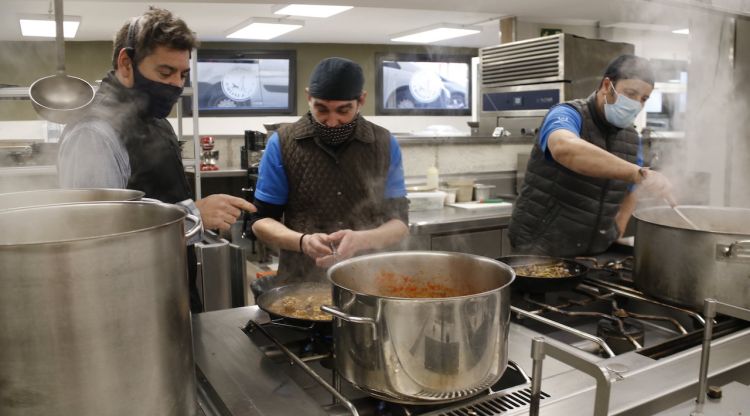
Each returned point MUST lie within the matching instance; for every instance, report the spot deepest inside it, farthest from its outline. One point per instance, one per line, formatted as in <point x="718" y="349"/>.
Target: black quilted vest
<point x="562" y="213"/>
<point x="331" y="189"/>
<point x="153" y="151"/>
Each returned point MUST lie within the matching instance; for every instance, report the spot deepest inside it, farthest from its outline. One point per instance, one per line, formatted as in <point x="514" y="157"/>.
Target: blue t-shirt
<point x="273" y="188"/>
<point x="567" y="118"/>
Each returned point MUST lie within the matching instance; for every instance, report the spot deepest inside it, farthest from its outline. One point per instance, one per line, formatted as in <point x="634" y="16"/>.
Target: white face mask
<point x="623" y="111"/>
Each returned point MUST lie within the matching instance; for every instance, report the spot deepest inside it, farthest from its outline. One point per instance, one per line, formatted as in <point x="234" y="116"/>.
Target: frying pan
<point x="538" y="284"/>
<point x="299" y="290"/>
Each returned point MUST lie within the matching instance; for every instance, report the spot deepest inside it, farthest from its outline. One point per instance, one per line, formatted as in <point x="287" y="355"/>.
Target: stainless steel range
<point x="644" y="354"/>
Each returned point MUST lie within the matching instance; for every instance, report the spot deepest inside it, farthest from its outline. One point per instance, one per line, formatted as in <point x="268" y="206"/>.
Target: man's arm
<point x="626" y="211"/>
<point x="588" y="159"/>
<point x="91" y="156"/>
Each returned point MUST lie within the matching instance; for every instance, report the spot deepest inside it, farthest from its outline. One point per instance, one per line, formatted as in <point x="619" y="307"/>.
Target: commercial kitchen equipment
<point x="420" y="327"/>
<point x="646" y="353"/>
<point x="679" y="264"/>
<point x="94" y="311"/>
<point x="520" y="81"/>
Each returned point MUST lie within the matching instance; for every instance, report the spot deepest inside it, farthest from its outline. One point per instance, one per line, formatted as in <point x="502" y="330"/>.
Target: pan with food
<point x="299" y="301"/>
<point x="539" y="274"/>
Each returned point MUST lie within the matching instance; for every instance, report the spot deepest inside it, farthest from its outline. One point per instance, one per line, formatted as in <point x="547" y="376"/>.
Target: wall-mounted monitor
<point x="238" y="82"/>
<point x="423" y="84"/>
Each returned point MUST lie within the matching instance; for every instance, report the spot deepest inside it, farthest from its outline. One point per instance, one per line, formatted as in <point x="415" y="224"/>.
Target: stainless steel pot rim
<point x="430" y="253"/>
<point x="96" y="237"/>
<point x="135" y="193"/>
<point x="638" y="214"/>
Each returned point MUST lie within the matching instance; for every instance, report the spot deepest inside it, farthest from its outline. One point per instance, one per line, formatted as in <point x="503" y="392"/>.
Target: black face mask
<point x="161" y="97"/>
<point x="334" y="136"/>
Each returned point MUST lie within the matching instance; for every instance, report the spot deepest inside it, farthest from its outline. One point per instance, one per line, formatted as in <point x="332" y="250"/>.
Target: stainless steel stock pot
<point x="94" y="311"/>
<point x="421" y="327"/>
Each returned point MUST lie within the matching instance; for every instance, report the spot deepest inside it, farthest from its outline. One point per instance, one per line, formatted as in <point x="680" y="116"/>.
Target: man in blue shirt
<point x="336" y="179"/>
<point x="577" y="195"/>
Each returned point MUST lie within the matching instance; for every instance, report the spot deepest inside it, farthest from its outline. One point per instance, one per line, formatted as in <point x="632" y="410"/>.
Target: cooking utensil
<point x="684" y="217"/>
<point x="60" y="97"/>
<point x="685" y="266"/>
<point x="540" y="284"/>
<point x="95" y="294"/>
<point x="300" y="292"/>
<point x="388" y="344"/>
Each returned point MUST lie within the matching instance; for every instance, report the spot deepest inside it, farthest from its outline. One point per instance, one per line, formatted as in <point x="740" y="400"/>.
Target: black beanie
<point x="337" y="79"/>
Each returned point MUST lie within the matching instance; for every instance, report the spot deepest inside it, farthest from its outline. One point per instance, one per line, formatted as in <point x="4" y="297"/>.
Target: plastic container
<point x="433" y="178"/>
<point x="464" y="189"/>
<point x="482" y="191"/>
<point x="450" y="195"/>
<point x="424" y="201"/>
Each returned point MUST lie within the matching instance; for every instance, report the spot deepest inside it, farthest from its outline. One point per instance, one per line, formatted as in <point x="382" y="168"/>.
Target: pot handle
<point x="196" y="228"/>
<point x="349" y="318"/>
<point x="739" y="249"/>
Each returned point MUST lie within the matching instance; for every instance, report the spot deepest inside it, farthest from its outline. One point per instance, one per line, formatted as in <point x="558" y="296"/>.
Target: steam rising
<point x="716" y="113"/>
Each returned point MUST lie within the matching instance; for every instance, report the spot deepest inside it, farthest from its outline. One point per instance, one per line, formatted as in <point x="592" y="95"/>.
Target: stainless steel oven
<point x="520" y="81"/>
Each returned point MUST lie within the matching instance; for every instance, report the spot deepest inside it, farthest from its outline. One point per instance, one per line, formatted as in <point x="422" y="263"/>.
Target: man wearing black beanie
<point x="335" y="178"/>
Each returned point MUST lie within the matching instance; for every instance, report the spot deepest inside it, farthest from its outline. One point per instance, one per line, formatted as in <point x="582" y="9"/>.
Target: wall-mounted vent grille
<point x="522" y="62"/>
<point x="492" y="405"/>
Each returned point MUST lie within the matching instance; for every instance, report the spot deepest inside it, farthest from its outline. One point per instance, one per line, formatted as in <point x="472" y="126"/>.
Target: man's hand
<point x="347" y="244"/>
<point x="657" y="184"/>
<point x="220" y="211"/>
<point x="316" y="245"/>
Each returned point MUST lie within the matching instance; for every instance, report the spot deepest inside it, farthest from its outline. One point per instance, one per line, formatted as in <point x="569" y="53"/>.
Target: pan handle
<point x="349" y="318"/>
<point x="196" y="228"/>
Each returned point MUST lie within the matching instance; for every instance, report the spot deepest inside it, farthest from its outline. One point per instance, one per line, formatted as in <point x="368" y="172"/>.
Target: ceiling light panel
<point x="263" y="29"/>
<point x="435" y="33"/>
<point x="44" y="26"/>
<point x="685" y="31"/>
<point x="310" y="10"/>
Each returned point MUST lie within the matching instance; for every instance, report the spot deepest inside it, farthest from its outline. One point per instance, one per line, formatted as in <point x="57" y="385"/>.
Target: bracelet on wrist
<point x="300" y="242"/>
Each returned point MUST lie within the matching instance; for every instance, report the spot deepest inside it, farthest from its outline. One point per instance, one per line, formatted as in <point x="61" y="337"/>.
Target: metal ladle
<point x="683" y="216"/>
<point x="60" y="97"/>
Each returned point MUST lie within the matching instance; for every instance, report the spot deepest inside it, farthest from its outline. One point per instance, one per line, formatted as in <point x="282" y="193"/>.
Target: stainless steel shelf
<point x="22" y="93"/>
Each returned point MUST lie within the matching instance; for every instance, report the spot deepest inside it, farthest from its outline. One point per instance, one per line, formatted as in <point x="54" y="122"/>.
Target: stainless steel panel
<point x="94" y="311"/>
<point x="214" y="277"/>
<point x="487" y="243"/>
<point x="421" y="350"/>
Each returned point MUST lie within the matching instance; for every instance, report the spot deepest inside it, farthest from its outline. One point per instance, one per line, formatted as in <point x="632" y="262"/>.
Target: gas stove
<point x="649" y="350"/>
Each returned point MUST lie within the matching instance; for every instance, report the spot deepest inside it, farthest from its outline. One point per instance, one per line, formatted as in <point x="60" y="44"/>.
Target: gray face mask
<point x="623" y="111"/>
<point x="334" y="136"/>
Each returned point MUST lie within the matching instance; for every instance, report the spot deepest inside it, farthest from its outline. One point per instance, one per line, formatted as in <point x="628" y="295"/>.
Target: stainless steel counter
<point x="450" y="219"/>
<point x="237" y="377"/>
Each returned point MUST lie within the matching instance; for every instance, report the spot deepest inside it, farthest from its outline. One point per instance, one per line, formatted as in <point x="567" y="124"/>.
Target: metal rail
<point x="540" y="349"/>
<point x="627" y="292"/>
<point x="251" y="325"/>
<point x="603" y="345"/>
<point x="710" y="308"/>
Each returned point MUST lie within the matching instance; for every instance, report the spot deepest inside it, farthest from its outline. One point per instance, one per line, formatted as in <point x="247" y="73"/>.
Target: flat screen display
<point x="416" y="84"/>
<point x="235" y="83"/>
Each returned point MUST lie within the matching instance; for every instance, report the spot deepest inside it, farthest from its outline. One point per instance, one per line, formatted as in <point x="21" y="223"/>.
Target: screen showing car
<point x="410" y="86"/>
<point x="231" y="83"/>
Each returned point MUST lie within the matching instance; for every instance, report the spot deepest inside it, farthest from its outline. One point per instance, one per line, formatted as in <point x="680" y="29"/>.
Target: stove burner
<point x="621" y="335"/>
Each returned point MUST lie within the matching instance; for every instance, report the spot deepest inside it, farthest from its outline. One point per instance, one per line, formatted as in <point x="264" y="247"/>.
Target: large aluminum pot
<point x="421" y="350"/>
<point x="682" y="265"/>
<point x="94" y="311"/>
<point x="63" y="196"/>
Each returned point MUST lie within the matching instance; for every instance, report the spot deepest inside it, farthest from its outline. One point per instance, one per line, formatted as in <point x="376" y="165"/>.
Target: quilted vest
<point x="562" y="213"/>
<point x="331" y="189"/>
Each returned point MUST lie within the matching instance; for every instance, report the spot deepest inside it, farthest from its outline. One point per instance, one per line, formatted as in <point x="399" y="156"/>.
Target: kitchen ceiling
<point x="370" y="22"/>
